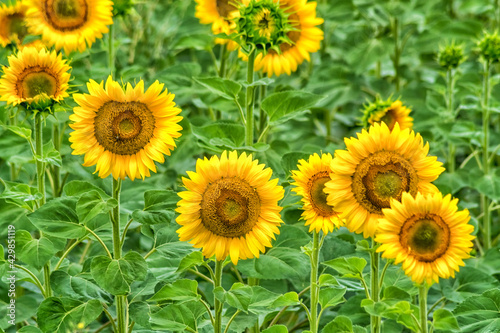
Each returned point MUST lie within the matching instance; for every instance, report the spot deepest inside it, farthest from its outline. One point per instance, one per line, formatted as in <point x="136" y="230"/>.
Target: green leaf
<point x="220" y="133"/>
<point x="50" y="155"/>
<point x="327" y="280"/>
<point x="21" y="195"/>
<point x="116" y="275"/>
<point x="141" y="311"/>
<point x="480" y="313"/>
<point x="331" y="296"/>
<point x="29" y="329"/>
<point x="159" y="207"/>
<point x="225" y="88"/>
<point x="288" y="299"/>
<point x="23" y="132"/>
<point x="276" y="329"/>
<point x="36" y="252"/>
<point x="444" y="320"/>
<point x="76" y="287"/>
<point x="192" y="259"/>
<point x="350" y="267"/>
<point x="396" y="293"/>
<point x="178" y="317"/>
<point x="64" y="314"/>
<point x="239" y="296"/>
<point x="77" y="188"/>
<point x="285" y="105"/>
<point x="58" y="218"/>
<point x="92" y="204"/>
<point x="180" y="290"/>
<point x="341" y="324"/>
<point x="400" y="311"/>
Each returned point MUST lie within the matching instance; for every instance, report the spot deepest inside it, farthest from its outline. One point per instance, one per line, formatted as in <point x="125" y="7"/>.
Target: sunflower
<point x="34" y="74"/>
<point x="124" y="132"/>
<point x="427" y="234"/>
<point x="230" y="207"/>
<point x="305" y="38"/>
<point x="69" y="24"/>
<point x="219" y="13"/>
<point x="12" y="26"/>
<point x="310" y="181"/>
<point x="379" y="165"/>
<point x="388" y="112"/>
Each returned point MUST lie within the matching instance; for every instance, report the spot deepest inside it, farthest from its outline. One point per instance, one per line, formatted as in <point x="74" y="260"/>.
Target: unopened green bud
<point x="122" y="7"/>
<point x="451" y="56"/>
<point x="388" y="111"/>
<point x="264" y="25"/>
<point x="489" y="47"/>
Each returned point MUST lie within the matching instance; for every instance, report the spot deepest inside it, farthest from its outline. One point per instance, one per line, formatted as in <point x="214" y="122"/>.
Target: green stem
<point x="251" y="281"/>
<point x="223" y="59"/>
<point x="56" y="171"/>
<point x="218" y="305"/>
<point x="314" y="284"/>
<point x="375" y="293"/>
<point x="111" y="51"/>
<point x="262" y="113"/>
<point x="486" y="163"/>
<point x="451" y="117"/>
<point x="40" y="167"/>
<point x="328" y="125"/>
<point x="35" y="279"/>
<point x="121" y="300"/>
<point x="250" y="100"/>
<point x="65" y="254"/>
<point x="396" y="53"/>
<point x="422" y="301"/>
<point x="13" y="167"/>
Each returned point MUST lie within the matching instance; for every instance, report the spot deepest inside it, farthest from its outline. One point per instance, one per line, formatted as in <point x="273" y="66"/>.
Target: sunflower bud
<point x="390" y="112"/>
<point x="122" y="7"/>
<point x="451" y="56"/>
<point x="489" y="47"/>
<point x="264" y="25"/>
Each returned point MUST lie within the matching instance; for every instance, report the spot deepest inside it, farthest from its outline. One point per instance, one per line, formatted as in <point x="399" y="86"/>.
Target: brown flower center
<point x="425" y="236"/>
<point x="66" y="15"/>
<point x="381" y="176"/>
<point x="224" y="8"/>
<point x="16" y="27"/>
<point x="318" y="197"/>
<point x="230" y="207"/>
<point x="124" y="128"/>
<point x="36" y="80"/>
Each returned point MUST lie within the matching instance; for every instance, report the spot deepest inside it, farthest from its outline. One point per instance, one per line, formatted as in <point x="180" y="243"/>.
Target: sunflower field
<point x="327" y="166"/>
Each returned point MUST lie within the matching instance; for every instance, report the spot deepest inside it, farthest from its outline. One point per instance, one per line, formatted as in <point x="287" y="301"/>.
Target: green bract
<point x="122" y="7"/>
<point x="489" y="47"/>
<point x="264" y="25"/>
<point x="377" y="106"/>
<point x="451" y="56"/>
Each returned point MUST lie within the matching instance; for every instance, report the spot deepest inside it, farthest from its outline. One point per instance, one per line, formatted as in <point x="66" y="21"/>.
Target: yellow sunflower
<point x="33" y="74"/>
<point x="388" y="112"/>
<point x="124" y="132"/>
<point x="427" y="234"/>
<point x="379" y="165"/>
<point x="69" y="24"/>
<point x="310" y="181"/>
<point x="306" y="39"/>
<point x="230" y="207"/>
<point x="221" y="14"/>
<point x="12" y="25"/>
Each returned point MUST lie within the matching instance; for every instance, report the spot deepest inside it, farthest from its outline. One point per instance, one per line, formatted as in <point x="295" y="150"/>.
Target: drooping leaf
<point x="225" y="88"/>
<point x="285" y="105"/>
<point x="479" y="314"/>
<point x="350" y="267"/>
<point x="76" y="287"/>
<point x="180" y="290"/>
<point x="443" y="319"/>
<point x="36" y="252"/>
<point x="331" y="296"/>
<point x="178" y="317"/>
<point x="92" y="204"/>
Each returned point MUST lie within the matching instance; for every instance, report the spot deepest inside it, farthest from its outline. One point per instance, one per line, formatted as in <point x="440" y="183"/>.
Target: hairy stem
<point x="314" y="284"/>
<point x="486" y="163"/>
<point x="422" y="301"/>
<point x="250" y="100"/>
<point x="218" y="305"/>
<point x="375" y="321"/>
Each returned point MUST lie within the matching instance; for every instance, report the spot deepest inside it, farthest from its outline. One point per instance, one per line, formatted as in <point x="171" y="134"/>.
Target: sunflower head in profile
<point x="69" y="24"/>
<point x="230" y="207"/>
<point x="427" y="234"/>
<point x="310" y="182"/>
<point x="389" y="112"/>
<point x="376" y="167"/>
<point x="304" y="38"/>
<point x="264" y="25"/>
<point x="123" y="132"/>
<point x="221" y="15"/>
<point x="12" y="25"/>
<point x="34" y="75"/>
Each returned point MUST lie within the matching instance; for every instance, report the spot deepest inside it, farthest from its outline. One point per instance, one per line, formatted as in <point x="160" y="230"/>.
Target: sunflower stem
<point x="223" y="59"/>
<point x="313" y="325"/>
<point x="449" y="105"/>
<point x="397" y="51"/>
<point x="251" y="281"/>
<point x="120" y="300"/>
<point x="250" y="99"/>
<point x="375" y="321"/>
<point x="56" y="171"/>
<point x="422" y="301"/>
<point x="218" y="305"/>
<point x="13" y="167"/>
<point x="486" y="163"/>
<point x="262" y="113"/>
<point x="111" y="51"/>
<point x="40" y="167"/>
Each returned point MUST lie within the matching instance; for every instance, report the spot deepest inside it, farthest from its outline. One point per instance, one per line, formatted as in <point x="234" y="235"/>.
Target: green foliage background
<point x="162" y="40"/>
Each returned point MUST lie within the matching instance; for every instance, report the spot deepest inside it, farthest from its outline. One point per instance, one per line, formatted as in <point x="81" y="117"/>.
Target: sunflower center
<point x="16" y="26"/>
<point x="35" y="81"/>
<point x="124" y="128"/>
<point x="389" y="118"/>
<point x="265" y="23"/>
<point x="224" y="8"/>
<point x="230" y="207"/>
<point x="380" y="177"/>
<point x="66" y="15"/>
<point x="426" y="237"/>
<point x="318" y="197"/>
